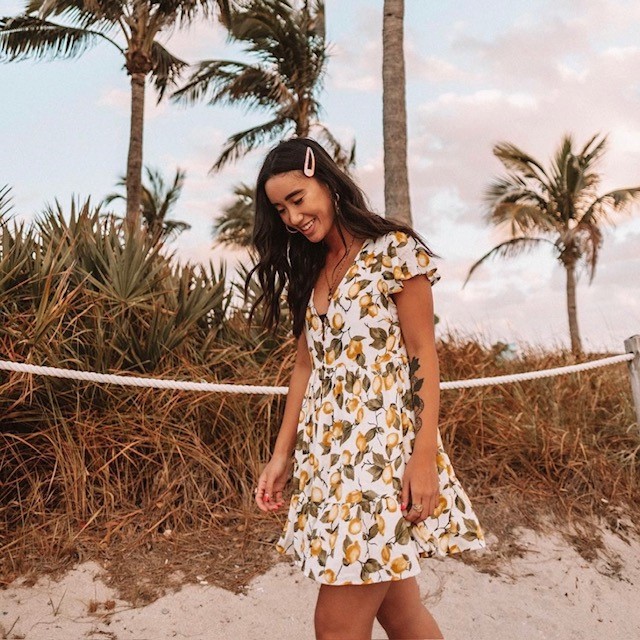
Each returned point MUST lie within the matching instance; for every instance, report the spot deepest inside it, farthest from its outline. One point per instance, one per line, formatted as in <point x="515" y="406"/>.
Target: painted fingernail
<point x="403" y="506"/>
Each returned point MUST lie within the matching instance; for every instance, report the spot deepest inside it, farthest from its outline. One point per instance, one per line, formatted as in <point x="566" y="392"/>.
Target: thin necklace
<point x="333" y="283"/>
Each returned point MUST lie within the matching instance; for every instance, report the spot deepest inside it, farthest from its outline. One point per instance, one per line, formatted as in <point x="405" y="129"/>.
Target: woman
<point x="373" y="489"/>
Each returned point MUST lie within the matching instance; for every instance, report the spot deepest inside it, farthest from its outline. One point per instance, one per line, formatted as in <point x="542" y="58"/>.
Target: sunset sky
<point x="477" y="73"/>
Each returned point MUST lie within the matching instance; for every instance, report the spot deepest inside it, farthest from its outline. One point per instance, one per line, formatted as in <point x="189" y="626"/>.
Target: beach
<point x="550" y="592"/>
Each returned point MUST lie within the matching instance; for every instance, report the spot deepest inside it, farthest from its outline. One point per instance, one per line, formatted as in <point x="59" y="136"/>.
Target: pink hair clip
<point x="309" y="163"/>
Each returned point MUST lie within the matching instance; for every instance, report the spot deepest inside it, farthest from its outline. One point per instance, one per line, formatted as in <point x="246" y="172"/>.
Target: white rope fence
<point x="134" y="381"/>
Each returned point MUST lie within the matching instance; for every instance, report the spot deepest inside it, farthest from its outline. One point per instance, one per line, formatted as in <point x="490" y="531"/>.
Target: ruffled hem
<point x="370" y="541"/>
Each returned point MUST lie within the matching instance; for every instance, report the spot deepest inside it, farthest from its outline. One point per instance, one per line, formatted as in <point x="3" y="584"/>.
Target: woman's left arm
<point x="415" y="314"/>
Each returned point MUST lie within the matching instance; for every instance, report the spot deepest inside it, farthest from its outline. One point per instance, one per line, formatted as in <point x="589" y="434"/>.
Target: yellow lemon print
<point x="361" y="442"/>
<point x="393" y="439"/>
<point x="354" y="290"/>
<point x="346" y="456"/>
<point x="354" y="496"/>
<point x="338" y="428"/>
<point x="353" y="552"/>
<point x="355" y="526"/>
<point x="399" y="564"/>
<point x="329" y="576"/>
<point x="316" y="547"/>
<point x="440" y="507"/>
<point x="380" y="521"/>
<point x="316" y="494"/>
<point x="401" y="236"/>
<point x="376" y="385"/>
<point x="333" y="513"/>
<point x="365" y="300"/>
<point x="386" y="553"/>
<point x="423" y="257"/>
<point x="337" y="321"/>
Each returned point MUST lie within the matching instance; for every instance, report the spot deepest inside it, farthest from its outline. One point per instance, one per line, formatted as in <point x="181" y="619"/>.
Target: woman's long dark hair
<point x="290" y="260"/>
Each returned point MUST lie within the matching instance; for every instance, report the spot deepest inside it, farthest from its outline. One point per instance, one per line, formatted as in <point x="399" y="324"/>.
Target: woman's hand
<point x="271" y="483"/>
<point x="420" y="485"/>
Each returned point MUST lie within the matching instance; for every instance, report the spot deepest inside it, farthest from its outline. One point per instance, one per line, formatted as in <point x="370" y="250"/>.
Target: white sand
<point x="550" y="593"/>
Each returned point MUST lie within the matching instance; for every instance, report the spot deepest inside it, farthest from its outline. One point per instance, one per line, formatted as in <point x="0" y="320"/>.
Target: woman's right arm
<point x="286" y="439"/>
<point x="276" y="473"/>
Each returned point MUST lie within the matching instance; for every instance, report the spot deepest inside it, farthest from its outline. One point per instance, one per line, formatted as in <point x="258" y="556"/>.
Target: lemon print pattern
<point x="356" y="431"/>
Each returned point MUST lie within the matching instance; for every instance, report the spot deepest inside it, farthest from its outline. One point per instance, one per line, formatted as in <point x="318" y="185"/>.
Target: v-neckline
<point x="344" y="275"/>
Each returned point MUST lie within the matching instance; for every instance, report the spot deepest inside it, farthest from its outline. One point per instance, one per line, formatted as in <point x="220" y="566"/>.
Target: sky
<point x="477" y="74"/>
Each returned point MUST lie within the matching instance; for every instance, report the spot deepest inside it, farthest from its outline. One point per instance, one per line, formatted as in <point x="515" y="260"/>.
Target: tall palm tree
<point x="559" y="206"/>
<point x="394" y="113"/>
<point x="34" y="35"/>
<point x="158" y="199"/>
<point x="235" y="226"/>
<point x="289" y="43"/>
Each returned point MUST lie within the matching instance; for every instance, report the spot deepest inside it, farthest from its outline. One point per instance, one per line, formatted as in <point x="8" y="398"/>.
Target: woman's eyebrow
<point x="293" y="194"/>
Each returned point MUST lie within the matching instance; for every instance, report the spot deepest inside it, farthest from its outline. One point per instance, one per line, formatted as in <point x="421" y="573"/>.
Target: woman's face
<point x="303" y="203"/>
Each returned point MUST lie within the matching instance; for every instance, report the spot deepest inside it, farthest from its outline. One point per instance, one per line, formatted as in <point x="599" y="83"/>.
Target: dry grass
<point x="157" y="485"/>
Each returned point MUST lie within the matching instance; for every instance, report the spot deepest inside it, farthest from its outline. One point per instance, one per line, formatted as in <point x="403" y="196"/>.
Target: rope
<point x="245" y="388"/>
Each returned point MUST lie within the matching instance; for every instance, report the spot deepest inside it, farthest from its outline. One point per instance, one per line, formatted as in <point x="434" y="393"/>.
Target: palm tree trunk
<point x="576" y="344"/>
<point x="134" y="161"/>
<point x="394" y="114"/>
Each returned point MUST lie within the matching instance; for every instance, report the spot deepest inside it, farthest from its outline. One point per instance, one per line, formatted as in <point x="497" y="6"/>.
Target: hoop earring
<point x="289" y="229"/>
<point x="309" y="168"/>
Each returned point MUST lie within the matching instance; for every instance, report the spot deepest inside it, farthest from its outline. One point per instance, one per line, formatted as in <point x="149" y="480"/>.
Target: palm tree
<point x="394" y="114"/>
<point x="561" y="203"/>
<point x="235" y="226"/>
<point x="290" y="46"/>
<point x="158" y="200"/>
<point x="34" y="35"/>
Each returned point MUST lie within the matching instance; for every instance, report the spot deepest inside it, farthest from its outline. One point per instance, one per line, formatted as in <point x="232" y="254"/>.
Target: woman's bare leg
<point x="347" y="612"/>
<point x="402" y="614"/>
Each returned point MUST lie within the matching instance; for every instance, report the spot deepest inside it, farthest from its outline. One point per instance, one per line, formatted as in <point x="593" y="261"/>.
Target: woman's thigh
<point x="348" y="611"/>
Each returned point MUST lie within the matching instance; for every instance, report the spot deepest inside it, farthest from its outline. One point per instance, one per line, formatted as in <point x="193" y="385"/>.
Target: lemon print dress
<point x="356" y="431"/>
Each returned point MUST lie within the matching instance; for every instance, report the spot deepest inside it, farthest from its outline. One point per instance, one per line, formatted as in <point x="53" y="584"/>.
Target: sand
<point x="550" y="593"/>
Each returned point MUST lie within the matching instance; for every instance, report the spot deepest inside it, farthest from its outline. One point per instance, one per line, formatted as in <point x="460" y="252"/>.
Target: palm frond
<point x="517" y="160"/>
<point x="618" y="200"/>
<point x="25" y="37"/>
<point x="508" y="249"/>
<point x="5" y="202"/>
<point x="167" y="68"/>
<point x="239" y="144"/>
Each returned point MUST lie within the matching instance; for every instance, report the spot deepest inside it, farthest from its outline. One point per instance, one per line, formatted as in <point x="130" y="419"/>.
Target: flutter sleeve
<point x="405" y="257"/>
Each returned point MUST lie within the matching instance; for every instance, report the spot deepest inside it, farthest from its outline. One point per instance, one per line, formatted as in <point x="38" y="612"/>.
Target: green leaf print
<point x="402" y="532"/>
<point x="375" y="472"/>
<point x="373" y="531"/>
<point x="372" y="565"/>
<point x="460" y="504"/>
<point x="374" y="404"/>
<point x="348" y="471"/>
<point x="470" y="524"/>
